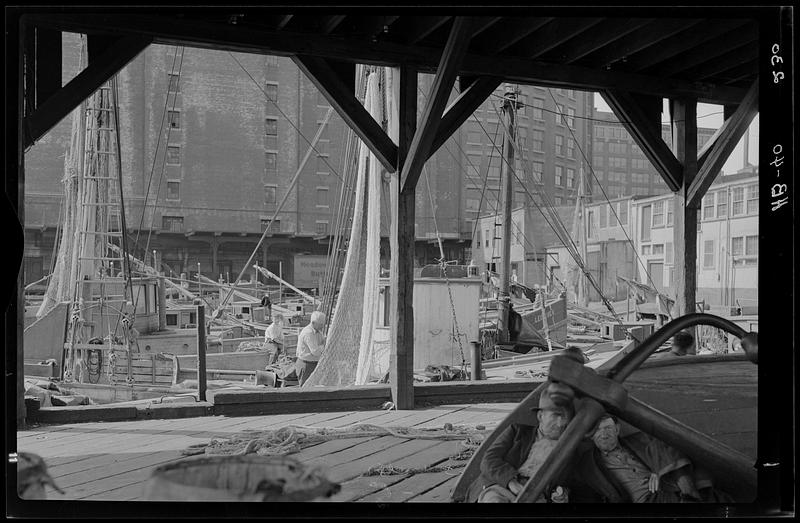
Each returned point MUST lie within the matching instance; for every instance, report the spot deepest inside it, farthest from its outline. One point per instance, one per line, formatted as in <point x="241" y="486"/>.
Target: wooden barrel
<point x="237" y="478"/>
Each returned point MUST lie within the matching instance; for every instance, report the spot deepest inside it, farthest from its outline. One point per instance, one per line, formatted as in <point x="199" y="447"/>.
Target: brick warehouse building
<point x="227" y="153"/>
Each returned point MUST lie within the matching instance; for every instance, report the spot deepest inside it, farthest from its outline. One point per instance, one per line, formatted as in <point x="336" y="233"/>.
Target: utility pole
<point x="504" y="297"/>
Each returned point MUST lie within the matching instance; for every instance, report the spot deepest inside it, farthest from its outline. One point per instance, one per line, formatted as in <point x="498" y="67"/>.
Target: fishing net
<point x="294" y="438"/>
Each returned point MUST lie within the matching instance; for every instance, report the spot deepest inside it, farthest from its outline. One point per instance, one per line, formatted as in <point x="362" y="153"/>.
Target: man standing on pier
<point x="310" y="344"/>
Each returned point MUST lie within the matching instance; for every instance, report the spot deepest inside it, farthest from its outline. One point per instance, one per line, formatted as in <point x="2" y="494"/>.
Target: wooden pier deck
<point x="110" y="461"/>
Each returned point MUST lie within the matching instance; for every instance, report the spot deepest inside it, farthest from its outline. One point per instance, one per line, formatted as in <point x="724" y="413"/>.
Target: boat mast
<point x="583" y="299"/>
<point x="504" y="298"/>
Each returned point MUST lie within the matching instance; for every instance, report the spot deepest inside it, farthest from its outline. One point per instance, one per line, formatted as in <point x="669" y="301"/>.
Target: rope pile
<point x="293" y="438"/>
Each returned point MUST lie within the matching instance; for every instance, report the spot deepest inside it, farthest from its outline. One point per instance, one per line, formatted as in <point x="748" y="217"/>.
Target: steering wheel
<point x="605" y="393"/>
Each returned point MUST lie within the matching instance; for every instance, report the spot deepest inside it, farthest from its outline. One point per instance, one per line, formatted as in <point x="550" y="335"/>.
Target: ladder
<point x="100" y="256"/>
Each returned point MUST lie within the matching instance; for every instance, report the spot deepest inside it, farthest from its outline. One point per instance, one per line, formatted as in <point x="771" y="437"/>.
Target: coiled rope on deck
<point x="293" y="438"/>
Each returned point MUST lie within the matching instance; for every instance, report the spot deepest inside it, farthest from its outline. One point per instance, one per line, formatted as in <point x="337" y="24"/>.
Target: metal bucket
<point x="238" y="478"/>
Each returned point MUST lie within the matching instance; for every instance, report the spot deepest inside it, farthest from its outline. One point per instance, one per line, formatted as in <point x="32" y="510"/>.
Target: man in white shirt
<point x="310" y="344"/>
<point x="273" y="339"/>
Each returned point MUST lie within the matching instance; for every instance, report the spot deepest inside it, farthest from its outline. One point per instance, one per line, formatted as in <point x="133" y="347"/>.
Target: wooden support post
<point x="403" y="126"/>
<point x="684" y="139"/>
<point x="201" y="350"/>
<point x="162" y="303"/>
<point x="48" y="63"/>
<point x="14" y="214"/>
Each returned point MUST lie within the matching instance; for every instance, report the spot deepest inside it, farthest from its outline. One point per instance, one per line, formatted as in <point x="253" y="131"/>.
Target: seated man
<point x="520" y="451"/>
<point x="634" y="469"/>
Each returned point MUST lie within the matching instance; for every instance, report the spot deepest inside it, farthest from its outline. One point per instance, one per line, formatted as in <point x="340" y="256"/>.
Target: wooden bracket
<point x="454" y="51"/>
<point x="333" y="79"/>
<point x="645" y="128"/>
<point x="719" y="148"/>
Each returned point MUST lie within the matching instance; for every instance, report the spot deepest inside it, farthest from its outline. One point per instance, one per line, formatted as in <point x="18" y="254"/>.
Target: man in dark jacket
<point x="633" y="469"/>
<point x="520" y="451"/>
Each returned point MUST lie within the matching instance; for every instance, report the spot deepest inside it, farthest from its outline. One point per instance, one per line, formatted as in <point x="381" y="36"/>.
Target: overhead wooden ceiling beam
<point x="462" y="108"/>
<point x="329" y="79"/>
<point x="552" y="35"/>
<point x="680" y="43"/>
<point x="717" y="152"/>
<point x="426" y="133"/>
<point x="48" y="63"/>
<point x="642" y="38"/>
<point x="99" y="70"/>
<point x="506" y="34"/>
<point x="741" y="72"/>
<point x="240" y="39"/>
<point x="283" y="21"/>
<point x="734" y="58"/>
<point x="597" y="36"/>
<point x="708" y="51"/>
<point x="330" y="23"/>
<point x="645" y="127"/>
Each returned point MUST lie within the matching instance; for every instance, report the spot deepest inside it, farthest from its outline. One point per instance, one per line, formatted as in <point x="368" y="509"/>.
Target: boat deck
<point x="111" y="461"/>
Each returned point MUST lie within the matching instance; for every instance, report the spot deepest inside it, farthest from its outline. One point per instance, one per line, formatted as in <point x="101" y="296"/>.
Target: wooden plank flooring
<point x="112" y="460"/>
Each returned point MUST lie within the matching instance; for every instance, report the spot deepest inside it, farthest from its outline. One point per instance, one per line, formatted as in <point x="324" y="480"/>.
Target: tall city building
<point x="211" y="140"/>
<point x="620" y="165"/>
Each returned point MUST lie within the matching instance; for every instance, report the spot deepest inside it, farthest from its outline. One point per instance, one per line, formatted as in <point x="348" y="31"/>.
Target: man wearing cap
<point x="520" y="451"/>
<point x="310" y="345"/>
<point x="635" y="468"/>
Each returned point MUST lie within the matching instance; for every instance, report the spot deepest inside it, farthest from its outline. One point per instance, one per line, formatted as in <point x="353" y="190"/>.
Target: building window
<point x="737" y="246"/>
<point x="271" y="90"/>
<point x="271" y="133"/>
<point x="322" y="197"/>
<point x="271" y="60"/>
<point x="271" y="160"/>
<point x="275" y="227"/>
<point x="570" y="177"/>
<point x="658" y="214"/>
<point x="645" y="250"/>
<point x="670" y="211"/>
<point x="559" y="200"/>
<point x="570" y="116"/>
<point x="570" y="148"/>
<point x="603" y="217"/>
<point x="737" y="199"/>
<point x="658" y="249"/>
<point x="321" y="100"/>
<point x="623" y="213"/>
<point x="494" y="172"/>
<point x="474" y="138"/>
<point x="174" y="84"/>
<point x="559" y="145"/>
<point x="473" y="200"/>
<point x="668" y="254"/>
<point x="590" y="232"/>
<point x="561" y="116"/>
<point x="559" y="170"/>
<point x="174" y="155"/>
<point x="322" y="228"/>
<point x="752" y="199"/>
<point x="708" y="254"/>
<point x="708" y="206"/>
<point x="538" y="170"/>
<point x="172" y="223"/>
<point x="173" y="190"/>
<point x="486" y="238"/>
<point x="174" y="119"/>
<point x="538" y="105"/>
<point x="722" y="203"/>
<point x="744" y="250"/>
<point x="636" y="150"/>
<point x="538" y="140"/>
<point x="270" y="194"/>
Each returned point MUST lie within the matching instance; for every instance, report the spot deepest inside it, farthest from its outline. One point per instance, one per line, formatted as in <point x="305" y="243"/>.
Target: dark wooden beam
<point x="282" y="21"/>
<point x="718" y="150"/>
<point x="29" y="69"/>
<point x="401" y="239"/>
<point x="413" y="29"/>
<point x="706" y="52"/>
<point x="733" y="58"/>
<point x="48" y="63"/>
<point x="679" y="43"/>
<point x="645" y="128"/>
<point x="639" y="40"/>
<point x="482" y="23"/>
<point x="736" y="74"/>
<point x="331" y="22"/>
<point x="684" y="137"/>
<point x="507" y="34"/>
<point x="48" y="114"/>
<point x="728" y="111"/>
<point x="462" y="108"/>
<point x="595" y="37"/>
<point x="449" y="63"/>
<point x="373" y="25"/>
<point x="172" y="31"/>
<point x="552" y="35"/>
<point x="341" y="96"/>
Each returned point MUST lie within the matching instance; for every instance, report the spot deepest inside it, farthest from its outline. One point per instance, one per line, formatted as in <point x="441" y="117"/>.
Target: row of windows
<point x="743" y="250"/>
<point x="743" y="200"/>
<point x="175" y="224"/>
<point x="610" y="132"/>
